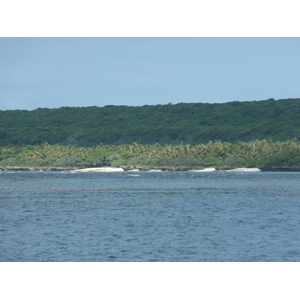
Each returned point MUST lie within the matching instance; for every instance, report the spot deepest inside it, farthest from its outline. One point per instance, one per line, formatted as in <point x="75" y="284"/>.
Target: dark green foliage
<point x="191" y="123"/>
<point x="210" y="161"/>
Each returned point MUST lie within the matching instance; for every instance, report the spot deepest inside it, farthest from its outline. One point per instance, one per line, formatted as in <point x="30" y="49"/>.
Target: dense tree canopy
<point x="184" y="123"/>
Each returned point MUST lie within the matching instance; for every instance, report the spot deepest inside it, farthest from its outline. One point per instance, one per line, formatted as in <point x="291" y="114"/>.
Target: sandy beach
<point x="245" y="170"/>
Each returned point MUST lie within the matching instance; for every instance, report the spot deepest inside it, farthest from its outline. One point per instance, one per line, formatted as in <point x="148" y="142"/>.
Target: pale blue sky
<point x="55" y="72"/>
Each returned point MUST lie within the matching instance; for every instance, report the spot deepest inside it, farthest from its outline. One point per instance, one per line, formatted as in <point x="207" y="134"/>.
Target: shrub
<point x="210" y="161"/>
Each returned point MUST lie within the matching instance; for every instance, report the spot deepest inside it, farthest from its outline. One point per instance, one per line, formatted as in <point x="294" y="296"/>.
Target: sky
<point x="135" y="71"/>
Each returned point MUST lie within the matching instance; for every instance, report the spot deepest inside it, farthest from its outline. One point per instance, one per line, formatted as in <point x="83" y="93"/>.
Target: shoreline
<point x="143" y="169"/>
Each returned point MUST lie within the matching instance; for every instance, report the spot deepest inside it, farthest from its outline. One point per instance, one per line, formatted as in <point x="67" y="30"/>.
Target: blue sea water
<point x="168" y="216"/>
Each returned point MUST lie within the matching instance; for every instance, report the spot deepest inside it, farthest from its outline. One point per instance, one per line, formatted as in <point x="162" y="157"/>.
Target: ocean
<point x="149" y="217"/>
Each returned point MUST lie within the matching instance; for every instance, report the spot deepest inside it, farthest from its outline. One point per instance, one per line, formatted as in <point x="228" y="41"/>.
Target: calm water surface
<point x="193" y="217"/>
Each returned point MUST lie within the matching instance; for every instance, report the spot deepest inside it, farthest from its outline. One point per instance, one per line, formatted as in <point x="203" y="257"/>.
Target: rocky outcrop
<point x="34" y="169"/>
<point x="104" y="169"/>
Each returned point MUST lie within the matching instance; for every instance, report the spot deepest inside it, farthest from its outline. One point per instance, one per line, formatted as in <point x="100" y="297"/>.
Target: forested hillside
<point x="184" y="123"/>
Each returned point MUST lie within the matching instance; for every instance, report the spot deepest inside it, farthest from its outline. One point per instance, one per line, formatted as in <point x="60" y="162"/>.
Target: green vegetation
<point x="261" y="134"/>
<point x="256" y="153"/>
<point x="187" y="123"/>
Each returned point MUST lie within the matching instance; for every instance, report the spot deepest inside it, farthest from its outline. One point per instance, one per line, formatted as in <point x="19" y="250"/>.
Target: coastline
<point x="143" y="169"/>
<point x="34" y="169"/>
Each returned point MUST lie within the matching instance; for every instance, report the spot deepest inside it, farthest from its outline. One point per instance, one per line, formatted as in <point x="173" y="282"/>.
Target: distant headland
<point x="256" y="134"/>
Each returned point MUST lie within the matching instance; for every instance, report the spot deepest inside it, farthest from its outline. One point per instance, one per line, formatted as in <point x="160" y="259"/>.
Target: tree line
<point x="256" y="153"/>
